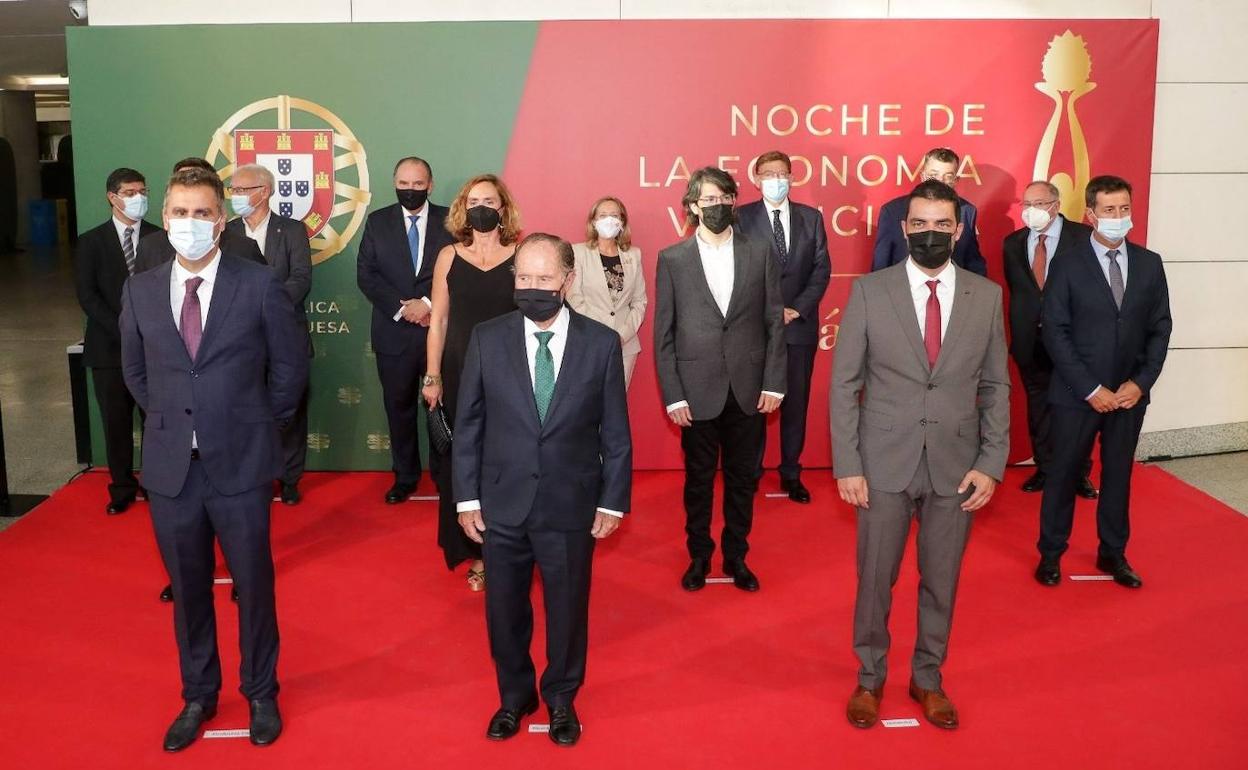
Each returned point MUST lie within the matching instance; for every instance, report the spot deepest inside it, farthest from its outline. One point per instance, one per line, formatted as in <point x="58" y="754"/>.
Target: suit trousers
<point x="295" y="443"/>
<point x="400" y="390"/>
<point x="1074" y="430"/>
<point x="800" y="365"/>
<point x="565" y="559"/>
<point x="736" y="437"/>
<point x="185" y="528"/>
<point x="882" y="532"/>
<point x="117" y="415"/>
<point x="1036" y="376"/>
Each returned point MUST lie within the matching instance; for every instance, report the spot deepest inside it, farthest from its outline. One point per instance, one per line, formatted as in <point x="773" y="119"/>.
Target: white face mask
<point x="134" y="207"/>
<point x="1036" y="218"/>
<point x="242" y="205"/>
<point x="775" y="190"/>
<point x="1113" y="229"/>
<point x="608" y="227"/>
<point x="192" y="238"/>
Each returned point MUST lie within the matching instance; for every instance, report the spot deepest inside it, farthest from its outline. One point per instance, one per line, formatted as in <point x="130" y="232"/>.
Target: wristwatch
<point x="431" y="379"/>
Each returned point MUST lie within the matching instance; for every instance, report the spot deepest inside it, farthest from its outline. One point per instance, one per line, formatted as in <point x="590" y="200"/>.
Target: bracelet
<point x="432" y="379"/>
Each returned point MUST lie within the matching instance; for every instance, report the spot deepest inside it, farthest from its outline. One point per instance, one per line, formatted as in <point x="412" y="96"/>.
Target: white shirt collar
<point x="422" y="212"/>
<point x="559" y="327"/>
<point x="703" y="244"/>
<point x="1053" y="232"/>
<point x="919" y="279"/>
<point x="782" y="207"/>
<point x="209" y="273"/>
<point x="262" y="227"/>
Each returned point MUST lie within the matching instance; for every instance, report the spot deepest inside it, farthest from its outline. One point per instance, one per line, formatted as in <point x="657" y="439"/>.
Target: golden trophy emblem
<point x="319" y="167"/>
<point x="1066" y="68"/>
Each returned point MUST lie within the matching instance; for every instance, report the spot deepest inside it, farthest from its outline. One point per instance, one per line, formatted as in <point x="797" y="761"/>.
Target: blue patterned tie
<point x="543" y="374"/>
<point x="413" y="242"/>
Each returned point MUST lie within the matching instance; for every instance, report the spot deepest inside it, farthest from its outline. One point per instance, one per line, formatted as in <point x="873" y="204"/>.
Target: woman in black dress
<point x="473" y="281"/>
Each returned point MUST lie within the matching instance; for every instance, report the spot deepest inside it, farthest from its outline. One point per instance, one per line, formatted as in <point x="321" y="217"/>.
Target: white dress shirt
<point x="785" y="221"/>
<point x="177" y="292"/>
<point x="422" y="227"/>
<point x="719" y="264"/>
<point x="919" y="293"/>
<point x="1051" y="235"/>
<point x="134" y="234"/>
<point x="555" y="345"/>
<point x="260" y="234"/>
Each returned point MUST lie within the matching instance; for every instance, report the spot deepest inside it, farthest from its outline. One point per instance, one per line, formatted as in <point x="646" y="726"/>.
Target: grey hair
<point x="266" y="176"/>
<point x="1052" y="188"/>
<point x="567" y="260"/>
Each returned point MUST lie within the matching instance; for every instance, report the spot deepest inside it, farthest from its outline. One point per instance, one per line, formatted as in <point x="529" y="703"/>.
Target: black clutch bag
<point x="439" y="429"/>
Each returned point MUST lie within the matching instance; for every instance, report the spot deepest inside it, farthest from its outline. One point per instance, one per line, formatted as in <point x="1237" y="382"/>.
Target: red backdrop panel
<point x="629" y="108"/>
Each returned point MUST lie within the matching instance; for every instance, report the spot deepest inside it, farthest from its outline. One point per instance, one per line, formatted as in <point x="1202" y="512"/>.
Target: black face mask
<point x="411" y="200"/>
<point x="538" y="305"/>
<point x="483" y="219"/>
<point x="717" y="218"/>
<point x="930" y="248"/>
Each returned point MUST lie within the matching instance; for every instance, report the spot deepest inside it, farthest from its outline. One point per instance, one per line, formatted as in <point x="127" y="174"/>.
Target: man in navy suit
<point x="394" y="269"/>
<point x="799" y="245"/>
<point x="104" y="258"/>
<point x="211" y="351"/>
<point x="1106" y="323"/>
<point x="940" y="164"/>
<point x="543" y="467"/>
<point x="284" y="244"/>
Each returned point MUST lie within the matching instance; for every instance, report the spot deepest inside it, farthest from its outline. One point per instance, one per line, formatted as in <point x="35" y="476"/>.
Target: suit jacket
<point x="286" y="250"/>
<point x="99" y="273"/>
<point x="890" y="239"/>
<point x="385" y="273"/>
<point x="804" y="278"/>
<point x="250" y="373"/>
<point x="701" y="352"/>
<point x="1025" y="293"/>
<point x="590" y="296"/>
<point x="1090" y="340"/>
<point x="552" y="474"/>
<point x="888" y="405"/>
<point x="156" y="249"/>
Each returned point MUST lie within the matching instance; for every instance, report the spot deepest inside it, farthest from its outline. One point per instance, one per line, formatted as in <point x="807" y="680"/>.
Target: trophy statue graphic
<point x="1066" y="69"/>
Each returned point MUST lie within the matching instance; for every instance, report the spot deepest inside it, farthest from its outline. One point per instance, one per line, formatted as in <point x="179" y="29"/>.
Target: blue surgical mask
<point x="134" y="207"/>
<point x="775" y="189"/>
<point x="1113" y="229"/>
<point x="242" y="205"/>
<point x="192" y="238"/>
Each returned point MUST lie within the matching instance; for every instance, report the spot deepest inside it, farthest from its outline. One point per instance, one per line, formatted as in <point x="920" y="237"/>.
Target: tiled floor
<point x="39" y="317"/>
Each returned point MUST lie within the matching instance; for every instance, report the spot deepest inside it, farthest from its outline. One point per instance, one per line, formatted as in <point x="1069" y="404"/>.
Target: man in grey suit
<point x="920" y="429"/>
<point x="720" y="350"/>
<point x="284" y="244"/>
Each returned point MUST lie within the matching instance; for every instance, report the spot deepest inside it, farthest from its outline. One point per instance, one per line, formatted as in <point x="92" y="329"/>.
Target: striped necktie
<point x="127" y="247"/>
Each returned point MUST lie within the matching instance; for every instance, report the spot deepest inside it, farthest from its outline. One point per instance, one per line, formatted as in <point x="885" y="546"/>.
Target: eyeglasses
<point x="1038" y="204"/>
<point x="130" y="193"/>
<point x="244" y="190"/>
<point x="715" y="200"/>
<point x="775" y="175"/>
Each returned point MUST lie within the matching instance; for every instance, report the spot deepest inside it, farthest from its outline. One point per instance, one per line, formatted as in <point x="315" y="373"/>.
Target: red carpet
<point x="384" y="660"/>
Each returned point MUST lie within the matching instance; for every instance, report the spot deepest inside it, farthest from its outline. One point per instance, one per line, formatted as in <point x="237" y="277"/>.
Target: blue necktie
<point x="413" y="242"/>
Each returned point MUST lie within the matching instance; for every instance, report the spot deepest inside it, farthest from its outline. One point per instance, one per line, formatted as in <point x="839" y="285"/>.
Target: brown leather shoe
<point x="937" y="708"/>
<point x="864" y="707"/>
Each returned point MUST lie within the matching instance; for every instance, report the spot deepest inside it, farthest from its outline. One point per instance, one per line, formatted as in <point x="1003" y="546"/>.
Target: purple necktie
<point x="192" y="325"/>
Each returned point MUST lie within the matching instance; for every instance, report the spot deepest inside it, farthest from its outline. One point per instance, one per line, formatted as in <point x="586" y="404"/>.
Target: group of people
<point x="526" y="345"/>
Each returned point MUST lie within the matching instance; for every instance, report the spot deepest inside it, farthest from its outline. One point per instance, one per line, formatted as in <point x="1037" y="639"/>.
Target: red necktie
<point x="192" y="321"/>
<point x="931" y="326"/>
<point x="1039" y="260"/>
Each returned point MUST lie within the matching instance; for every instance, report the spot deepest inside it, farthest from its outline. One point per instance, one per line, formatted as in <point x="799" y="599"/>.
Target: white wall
<point x="1200" y="152"/>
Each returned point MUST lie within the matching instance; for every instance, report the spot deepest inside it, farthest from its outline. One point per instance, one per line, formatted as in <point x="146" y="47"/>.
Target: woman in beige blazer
<point x="609" y="285"/>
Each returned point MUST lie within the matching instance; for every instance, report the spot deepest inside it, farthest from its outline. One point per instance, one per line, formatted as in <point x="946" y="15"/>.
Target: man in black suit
<point x="157" y="250"/>
<point x="394" y="269"/>
<point x="212" y="351"/>
<point x="719" y="348"/>
<point x="284" y="243"/>
<point x="105" y="257"/>
<point x="1028" y="254"/>
<point x="1107" y="328"/>
<point x="940" y="164"/>
<point x="543" y="466"/>
<point x="799" y="245"/>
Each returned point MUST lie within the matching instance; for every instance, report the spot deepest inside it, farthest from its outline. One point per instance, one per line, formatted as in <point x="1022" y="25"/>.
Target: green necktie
<point x="543" y="374"/>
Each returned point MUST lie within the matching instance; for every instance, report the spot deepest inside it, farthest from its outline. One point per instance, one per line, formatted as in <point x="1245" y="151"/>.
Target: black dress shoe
<point x="741" y="576"/>
<point x="266" y="722"/>
<point x="565" y="728"/>
<point x="506" y="722"/>
<point x="185" y="729"/>
<point x="234" y="594"/>
<point x="1048" y="572"/>
<point x="141" y="494"/>
<point x="694" y="578"/>
<point x="399" y="493"/>
<point x="798" y="493"/>
<point x="115" y="507"/>
<point x="1121" y="570"/>
<point x="166" y="594"/>
<point x="1085" y="489"/>
<point x="1034" y="482"/>
<point x="290" y="494"/>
